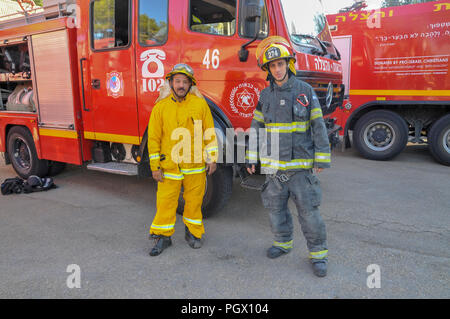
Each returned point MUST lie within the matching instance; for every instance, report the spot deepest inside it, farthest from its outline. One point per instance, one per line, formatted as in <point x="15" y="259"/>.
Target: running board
<point x="115" y="168"/>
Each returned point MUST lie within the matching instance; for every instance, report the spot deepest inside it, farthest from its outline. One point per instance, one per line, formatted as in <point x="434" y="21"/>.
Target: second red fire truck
<point x="396" y="72"/>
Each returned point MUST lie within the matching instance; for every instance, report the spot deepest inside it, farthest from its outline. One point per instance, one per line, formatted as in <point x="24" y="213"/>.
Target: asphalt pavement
<point x="387" y="224"/>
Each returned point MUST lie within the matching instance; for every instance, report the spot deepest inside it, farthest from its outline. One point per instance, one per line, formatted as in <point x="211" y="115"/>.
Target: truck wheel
<point x="23" y="155"/>
<point x="380" y="135"/>
<point x="218" y="191"/>
<point x="439" y="140"/>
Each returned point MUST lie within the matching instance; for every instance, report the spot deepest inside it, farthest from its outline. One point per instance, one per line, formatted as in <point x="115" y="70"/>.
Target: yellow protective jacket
<point x="181" y="136"/>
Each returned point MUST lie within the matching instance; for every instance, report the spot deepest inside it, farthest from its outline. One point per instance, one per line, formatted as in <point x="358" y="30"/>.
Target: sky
<point x="333" y="6"/>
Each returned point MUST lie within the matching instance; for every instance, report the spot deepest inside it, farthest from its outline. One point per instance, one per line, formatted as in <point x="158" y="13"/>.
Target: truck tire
<point x="218" y="191"/>
<point x="23" y="155"/>
<point x="439" y="140"/>
<point x="380" y="135"/>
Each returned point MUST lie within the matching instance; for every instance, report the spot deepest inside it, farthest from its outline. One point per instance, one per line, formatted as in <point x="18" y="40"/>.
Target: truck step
<point x="115" y="168"/>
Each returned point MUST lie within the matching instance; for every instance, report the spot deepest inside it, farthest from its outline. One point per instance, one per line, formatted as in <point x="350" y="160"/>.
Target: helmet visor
<point x="183" y="67"/>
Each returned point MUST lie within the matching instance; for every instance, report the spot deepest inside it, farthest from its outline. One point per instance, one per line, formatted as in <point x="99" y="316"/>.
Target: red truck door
<point x="213" y="38"/>
<point x="112" y="77"/>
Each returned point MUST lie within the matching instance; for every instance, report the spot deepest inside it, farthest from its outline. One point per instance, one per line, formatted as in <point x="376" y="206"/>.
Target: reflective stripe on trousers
<point x="167" y="203"/>
<point x="304" y="189"/>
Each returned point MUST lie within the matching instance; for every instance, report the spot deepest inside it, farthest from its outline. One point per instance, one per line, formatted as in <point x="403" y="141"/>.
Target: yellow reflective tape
<point x="170" y="226"/>
<point x="297" y="160"/>
<point x="210" y="150"/>
<point x="401" y="92"/>
<point x="322" y="157"/>
<point x="89" y="135"/>
<point x="58" y="133"/>
<point x="288" y="124"/>
<point x="175" y="177"/>
<point x="318" y="254"/>
<point x="287" y="127"/>
<point x="193" y="221"/>
<point x="154" y="156"/>
<point x="196" y="20"/>
<point x="258" y="117"/>
<point x="117" y="138"/>
<point x="316" y="113"/>
<point x="297" y="163"/>
<point x="288" y="244"/>
<point x="190" y="171"/>
<point x="258" y="113"/>
<point x="284" y="168"/>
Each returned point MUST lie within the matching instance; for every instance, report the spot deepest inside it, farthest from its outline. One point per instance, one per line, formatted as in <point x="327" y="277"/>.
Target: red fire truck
<point x="396" y="71"/>
<point x="78" y="80"/>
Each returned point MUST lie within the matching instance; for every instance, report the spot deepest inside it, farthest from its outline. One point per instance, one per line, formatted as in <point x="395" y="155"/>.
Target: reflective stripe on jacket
<point x="181" y="136"/>
<point x="293" y="112"/>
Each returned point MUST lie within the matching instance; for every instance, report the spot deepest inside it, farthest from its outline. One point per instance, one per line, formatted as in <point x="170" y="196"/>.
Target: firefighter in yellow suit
<point x="182" y="150"/>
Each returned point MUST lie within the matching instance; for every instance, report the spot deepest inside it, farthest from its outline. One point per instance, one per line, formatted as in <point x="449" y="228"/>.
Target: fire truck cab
<point x="79" y="79"/>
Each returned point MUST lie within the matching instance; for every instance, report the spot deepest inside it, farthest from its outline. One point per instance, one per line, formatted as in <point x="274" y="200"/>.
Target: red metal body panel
<point x="56" y="148"/>
<point x="21" y="119"/>
<point x="397" y="53"/>
<point x="112" y="114"/>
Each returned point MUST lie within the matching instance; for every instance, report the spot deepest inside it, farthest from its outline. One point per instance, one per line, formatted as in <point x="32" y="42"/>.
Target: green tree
<point x="395" y="3"/>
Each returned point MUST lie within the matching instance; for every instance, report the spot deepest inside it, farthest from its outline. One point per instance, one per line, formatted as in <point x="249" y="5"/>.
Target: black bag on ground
<point x="32" y="184"/>
<point x="12" y="186"/>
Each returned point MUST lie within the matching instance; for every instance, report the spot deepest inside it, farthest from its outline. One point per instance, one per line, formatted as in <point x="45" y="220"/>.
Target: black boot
<point x="161" y="243"/>
<point x="274" y="252"/>
<point x="193" y="241"/>
<point x="320" y="268"/>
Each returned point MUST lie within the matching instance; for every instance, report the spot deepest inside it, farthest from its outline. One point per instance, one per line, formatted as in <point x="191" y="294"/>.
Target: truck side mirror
<point x="252" y="15"/>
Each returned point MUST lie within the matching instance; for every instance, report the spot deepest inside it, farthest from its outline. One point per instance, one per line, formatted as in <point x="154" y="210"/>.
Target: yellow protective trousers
<point x="167" y="203"/>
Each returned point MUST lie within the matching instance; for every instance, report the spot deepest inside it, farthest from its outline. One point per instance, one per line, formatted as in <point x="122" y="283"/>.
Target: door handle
<point x="95" y="84"/>
<point x="82" y="84"/>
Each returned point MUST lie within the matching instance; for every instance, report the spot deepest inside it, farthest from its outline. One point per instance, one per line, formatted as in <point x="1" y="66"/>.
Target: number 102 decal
<point x="152" y="85"/>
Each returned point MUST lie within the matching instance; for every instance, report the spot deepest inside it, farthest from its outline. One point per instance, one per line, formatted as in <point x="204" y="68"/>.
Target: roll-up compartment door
<point x="53" y="79"/>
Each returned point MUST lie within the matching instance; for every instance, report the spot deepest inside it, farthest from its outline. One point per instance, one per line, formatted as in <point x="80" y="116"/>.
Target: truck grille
<point x="321" y="89"/>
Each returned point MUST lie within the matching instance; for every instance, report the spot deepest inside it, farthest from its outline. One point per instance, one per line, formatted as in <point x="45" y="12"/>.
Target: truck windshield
<point x="307" y="26"/>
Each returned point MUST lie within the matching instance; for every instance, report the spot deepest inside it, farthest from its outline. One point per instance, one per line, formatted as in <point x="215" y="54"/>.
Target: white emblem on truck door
<point x="152" y="69"/>
<point x="153" y="56"/>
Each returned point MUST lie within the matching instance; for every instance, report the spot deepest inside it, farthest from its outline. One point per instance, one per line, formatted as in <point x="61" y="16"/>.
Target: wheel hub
<point x="22" y="154"/>
<point x="379" y="136"/>
<point x="446" y="141"/>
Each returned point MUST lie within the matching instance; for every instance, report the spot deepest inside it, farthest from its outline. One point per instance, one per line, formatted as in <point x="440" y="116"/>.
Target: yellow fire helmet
<point x="183" y="69"/>
<point x="274" y="48"/>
